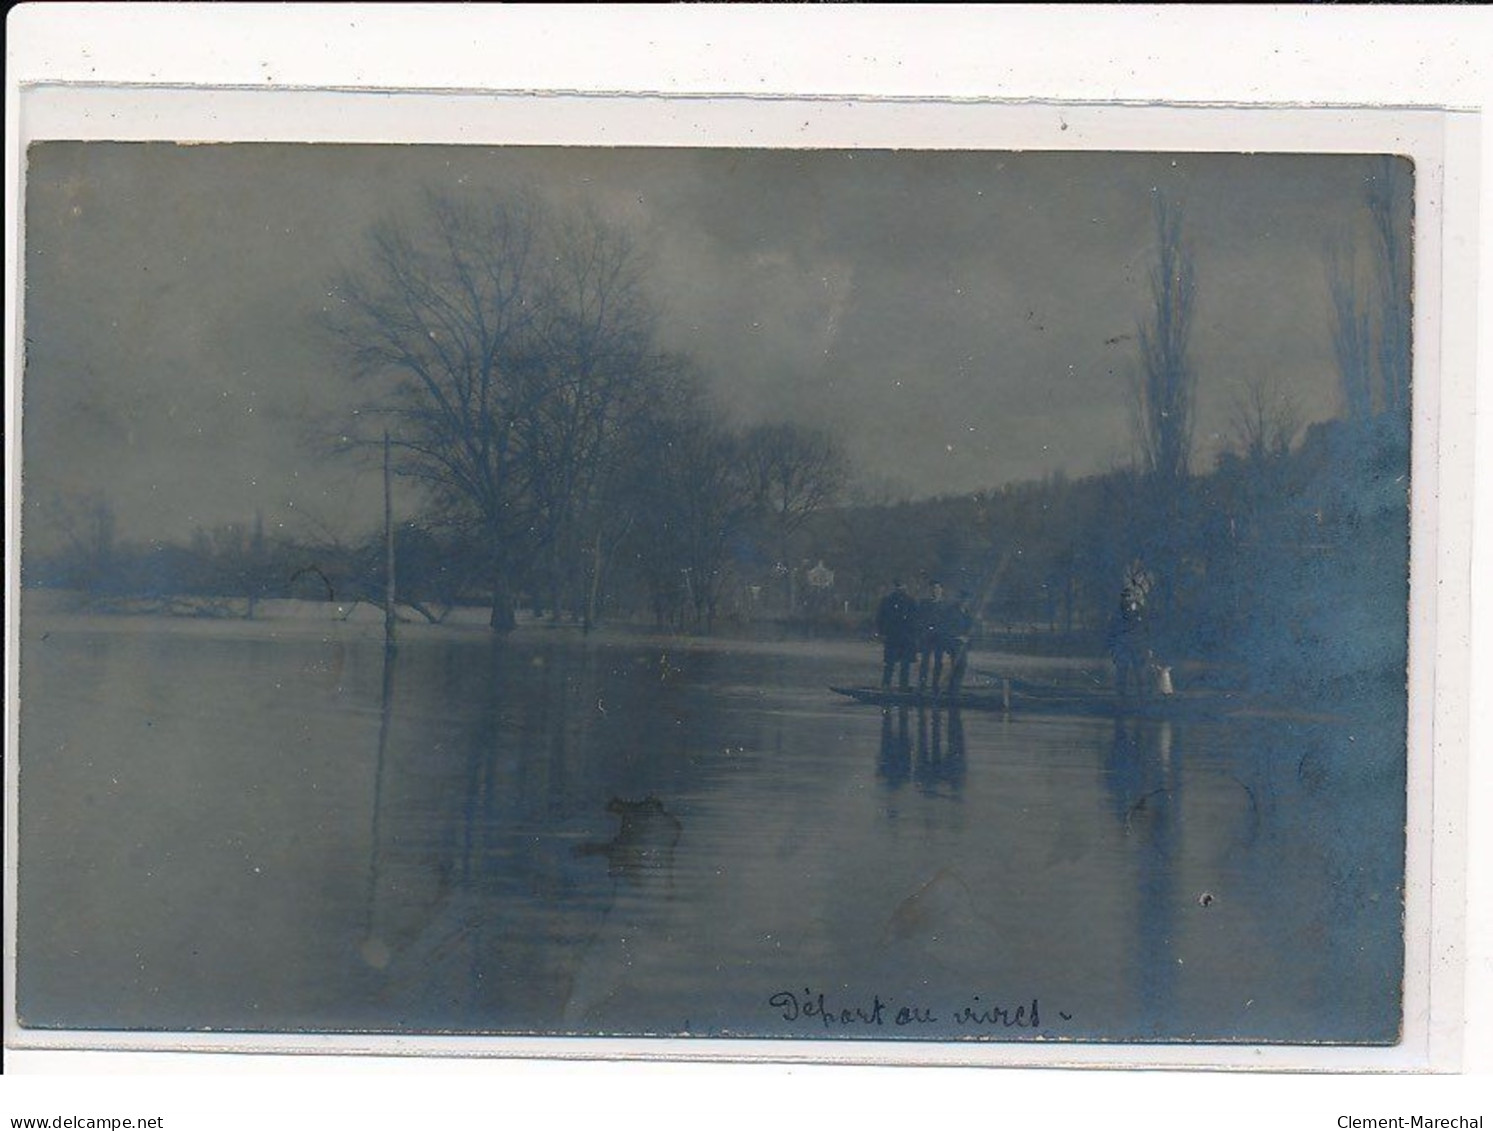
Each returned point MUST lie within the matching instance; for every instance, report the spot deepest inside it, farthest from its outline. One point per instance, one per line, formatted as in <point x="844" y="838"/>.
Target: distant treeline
<point x="510" y="366"/>
<point x="1290" y="563"/>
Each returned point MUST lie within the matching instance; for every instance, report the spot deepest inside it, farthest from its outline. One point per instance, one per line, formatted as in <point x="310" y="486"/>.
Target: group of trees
<point x="1371" y="331"/>
<point x="511" y="354"/>
<point x="1293" y="559"/>
<point x="512" y="359"/>
<point x="226" y="569"/>
<point x="688" y="513"/>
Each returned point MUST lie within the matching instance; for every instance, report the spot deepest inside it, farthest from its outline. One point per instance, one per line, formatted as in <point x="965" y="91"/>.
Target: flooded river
<point x="239" y="828"/>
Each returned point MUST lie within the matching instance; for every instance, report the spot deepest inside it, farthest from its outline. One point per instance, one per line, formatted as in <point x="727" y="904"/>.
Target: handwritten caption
<point x="812" y="1007"/>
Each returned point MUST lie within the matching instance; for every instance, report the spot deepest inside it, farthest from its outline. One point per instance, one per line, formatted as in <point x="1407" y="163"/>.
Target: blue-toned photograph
<point x="867" y="594"/>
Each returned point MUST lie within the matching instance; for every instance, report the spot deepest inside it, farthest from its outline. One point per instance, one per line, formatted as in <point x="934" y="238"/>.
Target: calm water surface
<point x="228" y="829"/>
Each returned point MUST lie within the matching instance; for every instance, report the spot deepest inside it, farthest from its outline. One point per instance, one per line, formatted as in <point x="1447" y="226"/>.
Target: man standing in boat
<point x="955" y="629"/>
<point x="929" y="616"/>
<point x="897" y="625"/>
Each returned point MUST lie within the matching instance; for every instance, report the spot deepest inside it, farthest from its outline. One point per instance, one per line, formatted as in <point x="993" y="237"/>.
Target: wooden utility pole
<point x="388" y="547"/>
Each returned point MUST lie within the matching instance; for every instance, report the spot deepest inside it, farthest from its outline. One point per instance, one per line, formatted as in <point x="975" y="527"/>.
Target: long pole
<point x="388" y="547"/>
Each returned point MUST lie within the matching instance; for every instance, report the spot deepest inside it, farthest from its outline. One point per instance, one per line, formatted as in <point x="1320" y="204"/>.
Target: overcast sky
<point x="963" y="320"/>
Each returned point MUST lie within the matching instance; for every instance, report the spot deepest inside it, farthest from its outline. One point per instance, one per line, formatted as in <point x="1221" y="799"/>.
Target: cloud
<point x="964" y="319"/>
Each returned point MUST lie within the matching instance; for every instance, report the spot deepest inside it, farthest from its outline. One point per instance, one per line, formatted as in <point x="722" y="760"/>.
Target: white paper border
<point x="763" y="55"/>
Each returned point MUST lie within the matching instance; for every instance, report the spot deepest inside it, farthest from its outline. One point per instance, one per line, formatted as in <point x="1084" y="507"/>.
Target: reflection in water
<point x="556" y="836"/>
<point x="481" y="860"/>
<point x="1141" y="773"/>
<point x="895" y="764"/>
<point x="427" y="928"/>
<point x="1145" y="787"/>
<point x="641" y="857"/>
<point x="375" y="952"/>
<point x="940" y="764"/>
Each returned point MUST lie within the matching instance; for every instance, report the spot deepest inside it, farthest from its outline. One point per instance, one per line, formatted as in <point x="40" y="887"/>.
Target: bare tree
<point x="590" y="371"/>
<point x="1166" y="382"/>
<point x="1351" y="341"/>
<point x="1390" y="199"/>
<point x="1162" y="403"/>
<point x="627" y="483"/>
<point x="1371" y="333"/>
<point x="88" y="532"/>
<point x="441" y="313"/>
<point x="792" y="472"/>
<point x="1266" y="419"/>
<point x="515" y="345"/>
<point x="685" y="498"/>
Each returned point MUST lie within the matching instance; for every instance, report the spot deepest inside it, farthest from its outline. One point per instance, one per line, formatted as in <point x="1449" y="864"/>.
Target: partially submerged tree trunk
<point x="501" y="618"/>
<point x="593" y="591"/>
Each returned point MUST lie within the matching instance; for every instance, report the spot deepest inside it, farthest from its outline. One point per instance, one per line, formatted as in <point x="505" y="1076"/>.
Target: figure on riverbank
<point x="897" y="625"/>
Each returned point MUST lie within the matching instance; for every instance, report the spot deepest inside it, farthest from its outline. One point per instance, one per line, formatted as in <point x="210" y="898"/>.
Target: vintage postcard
<point x="938" y="586"/>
